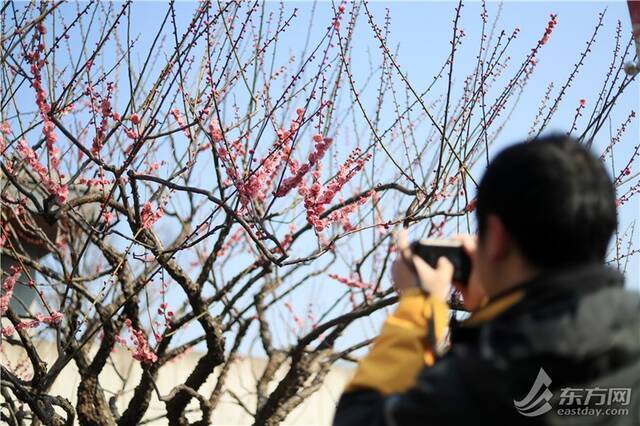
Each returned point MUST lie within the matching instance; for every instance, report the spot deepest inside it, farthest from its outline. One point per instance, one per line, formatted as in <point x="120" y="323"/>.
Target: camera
<point x="431" y="250"/>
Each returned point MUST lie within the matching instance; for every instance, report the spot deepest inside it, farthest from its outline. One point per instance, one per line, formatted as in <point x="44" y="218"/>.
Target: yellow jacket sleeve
<point x="402" y="349"/>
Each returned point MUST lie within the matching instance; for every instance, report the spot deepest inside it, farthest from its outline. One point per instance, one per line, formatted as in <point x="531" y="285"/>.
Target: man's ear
<point x="497" y="238"/>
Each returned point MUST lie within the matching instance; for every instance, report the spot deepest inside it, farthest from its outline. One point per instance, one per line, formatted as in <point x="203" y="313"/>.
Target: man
<point x="552" y="333"/>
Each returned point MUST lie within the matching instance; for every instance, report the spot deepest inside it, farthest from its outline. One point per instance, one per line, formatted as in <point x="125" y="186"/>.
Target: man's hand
<point x="410" y="271"/>
<point x="473" y="293"/>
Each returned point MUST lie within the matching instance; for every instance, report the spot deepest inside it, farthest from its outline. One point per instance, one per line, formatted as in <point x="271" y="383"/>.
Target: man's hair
<point x="555" y="199"/>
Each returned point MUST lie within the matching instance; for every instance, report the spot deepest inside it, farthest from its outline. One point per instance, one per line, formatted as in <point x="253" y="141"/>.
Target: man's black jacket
<point x="580" y="326"/>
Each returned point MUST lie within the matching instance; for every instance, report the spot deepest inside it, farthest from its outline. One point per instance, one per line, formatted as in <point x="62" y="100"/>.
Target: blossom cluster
<point x="54" y="318"/>
<point x="321" y="146"/>
<point x="215" y="131"/>
<point x="287" y="240"/>
<point x="355" y="283"/>
<point x="550" y="26"/>
<point x="37" y="63"/>
<point x="177" y="115"/>
<point x="231" y="241"/>
<point x="298" y="321"/>
<point x="61" y="192"/>
<point x="533" y="60"/>
<point x="91" y="182"/>
<point x="316" y="199"/>
<point x="102" y="107"/>
<point x="131" y="132"/>
<point x="336" y="20"/>
<point x="167" y="315"/>
<point x="259" y="181"/>
<point x="41" y="101"/>
<point x="21" y="369"/>
<point x="8" y="285"/>
<point x="256" y="184"/>
<point x="354" y="163"/>
<point x="141" y="350"/>
<point x="342" y="215"/>
<point x="5" y="128"/>
<point x="352" y="282"/>
<point x="148" y="217"/>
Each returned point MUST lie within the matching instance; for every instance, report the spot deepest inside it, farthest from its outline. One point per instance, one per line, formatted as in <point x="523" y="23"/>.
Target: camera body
<point x="431" y="250"/>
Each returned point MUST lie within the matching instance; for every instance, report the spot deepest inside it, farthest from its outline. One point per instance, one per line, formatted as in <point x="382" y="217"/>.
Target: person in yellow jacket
<point x="411" y="336"/>
<point x="551" y="325"/>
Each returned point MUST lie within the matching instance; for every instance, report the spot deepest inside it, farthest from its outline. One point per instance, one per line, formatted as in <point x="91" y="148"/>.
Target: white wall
<point x="317" y="410"/>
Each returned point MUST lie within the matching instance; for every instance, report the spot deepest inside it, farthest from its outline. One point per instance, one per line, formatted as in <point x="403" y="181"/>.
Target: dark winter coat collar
<point x="578" y="314"/>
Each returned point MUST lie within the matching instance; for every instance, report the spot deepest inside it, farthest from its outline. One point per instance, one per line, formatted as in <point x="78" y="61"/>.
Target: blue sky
<point x="420" y="31"/>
